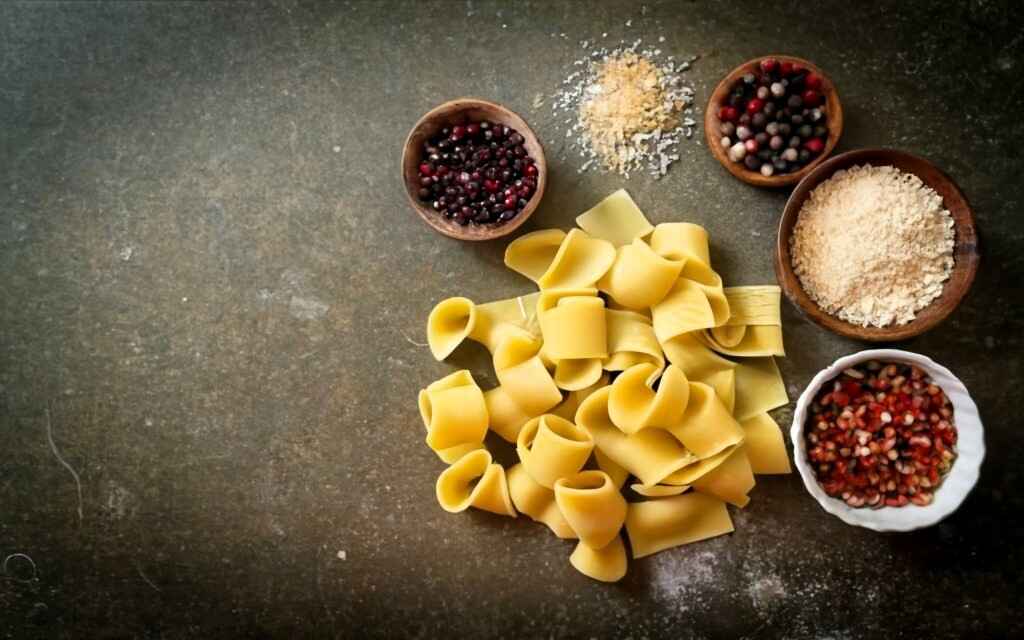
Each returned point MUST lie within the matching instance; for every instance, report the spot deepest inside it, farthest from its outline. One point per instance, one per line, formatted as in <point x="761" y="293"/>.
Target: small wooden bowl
<point x="461" y="111"/>
<point x="712" y="124"/>
<point x="965" y="249"/>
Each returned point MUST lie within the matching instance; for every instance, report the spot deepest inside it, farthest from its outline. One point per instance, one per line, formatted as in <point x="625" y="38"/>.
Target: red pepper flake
<point x="881" y="434"/>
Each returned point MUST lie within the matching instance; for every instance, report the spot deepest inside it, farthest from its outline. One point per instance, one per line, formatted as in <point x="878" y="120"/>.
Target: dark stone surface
<point x="213" y="311"/>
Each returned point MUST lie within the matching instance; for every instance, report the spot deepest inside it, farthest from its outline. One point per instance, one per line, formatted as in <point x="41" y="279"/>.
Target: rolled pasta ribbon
<point x="697" y="469"/>
<point x="506" y="416"/>
<point x="616" y="219"/>
<point x="724" y="384"/>
<point x="692" y="355"/>
<point x="754" y="327"/>
<point x="686" y="308"/>
<point x="633" y="405"/>
<point x="759" y="388"/>
<point x="490" y="493"/>
<point x="592" y="505"/>
<point x="766" y="448"/>
<point x="575" y="328"/>
<point x="449" y="323"/>
<point x="580" y="262"/>
<point x="707" y="427"/>
<point x="659" y="490"/>
<point x="650" y="454"/>
<point x="455" y="415"/>
<point x="656" y="525"/>
<point x="607" y="564"/>
<point x="730" y="481"/>
<point x="523" y="376"/>
<point x="567" y="409"/>
<point x="531" y="254"/>
<point x="536" y="501"/>
<point x="681" y="241"/>
<point x="640" y="278"/>
<point x="631" y="341"/>
<point x="617" y="473"/>
<point x="576" y="374"/>
<point x="550" y="448"/>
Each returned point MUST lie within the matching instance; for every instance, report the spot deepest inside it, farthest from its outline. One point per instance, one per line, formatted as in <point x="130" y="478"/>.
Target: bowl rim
<point x="959" y="482"/>
<point x="966" y="239"/>
<point x="711" y="122"/>
<point x="456" y="105"/>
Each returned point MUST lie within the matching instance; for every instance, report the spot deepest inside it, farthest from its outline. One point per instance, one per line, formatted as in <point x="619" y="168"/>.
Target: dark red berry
<point x="815" y="145"/>
<point x="769" y="64"/>
<point x="812" y="81"/>
<point x="811" y="98"/>
<point x="426" y="169"/>
<point x="785" y="69"/>
<point x="755" y="105"/>
<point x="727" y="114"/>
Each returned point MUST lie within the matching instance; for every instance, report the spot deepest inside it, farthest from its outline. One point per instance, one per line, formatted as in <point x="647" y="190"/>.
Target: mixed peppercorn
<point x="774" y="121"/>
<point x="477" y="172"/>
<point x="881" y="435"/>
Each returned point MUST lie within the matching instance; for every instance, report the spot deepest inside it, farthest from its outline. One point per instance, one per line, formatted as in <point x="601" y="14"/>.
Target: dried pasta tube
<point x="567" y="409"/>
<point x="449" y="323"/>
<point x="531" y="254"/>
<point x="691" y="472"/>
<point x="759" y="388"/>
<point x="656" y="525"/>
<point x="506" y="417"/>
<point x="575" y="328"/>
<point x="692" y="355"/>
<point x="592" y="505"/>
<point x="607" y="564"/>
<point x="579" y="262"/>
<point x="455" y="415"/>
<point x="631" y="341"/>
<point x="707" y="426"/>
<point x="633" y="405"/>
<point x="650" y="454"/>
<point x="686" y="308"/>
<point x="577" y="374"/>
<point x="551" y="448"/>
<point x="640" y="278"/>
<point x="522" y="374"/>
<point x="730" y="481"/>
<point x="659" y="490"/>
<point x="537" y="502"/>
<point x="455" y="493"/>
<point x="616" y="472"/>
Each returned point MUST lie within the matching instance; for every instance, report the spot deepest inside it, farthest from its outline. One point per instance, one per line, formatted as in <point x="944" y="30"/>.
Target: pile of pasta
<point x="615" y="369"/>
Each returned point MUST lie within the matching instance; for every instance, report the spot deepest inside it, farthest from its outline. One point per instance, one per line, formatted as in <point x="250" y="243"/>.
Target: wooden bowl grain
<point x="461" y="111"/>
<point x="966" y="254"/>
<point x="712" y="124"/>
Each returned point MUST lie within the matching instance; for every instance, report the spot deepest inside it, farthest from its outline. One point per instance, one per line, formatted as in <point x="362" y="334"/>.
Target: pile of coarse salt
<point x="626" y="111"/>
<point x="873" y="245"/>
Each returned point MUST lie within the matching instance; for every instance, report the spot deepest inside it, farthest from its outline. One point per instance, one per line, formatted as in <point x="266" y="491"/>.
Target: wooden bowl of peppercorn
<point x="446" y="150"/>
<point x="737" y="91"/>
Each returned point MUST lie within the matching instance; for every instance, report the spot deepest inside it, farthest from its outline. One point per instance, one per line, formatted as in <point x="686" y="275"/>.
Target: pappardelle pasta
<point x="632" y="360"/>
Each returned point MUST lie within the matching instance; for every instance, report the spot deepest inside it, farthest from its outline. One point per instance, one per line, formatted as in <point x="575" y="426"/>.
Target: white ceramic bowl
<point x="958" y="483"/>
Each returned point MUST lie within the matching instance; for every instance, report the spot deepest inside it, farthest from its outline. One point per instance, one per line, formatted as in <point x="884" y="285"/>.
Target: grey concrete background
<point x="212" y="313"/>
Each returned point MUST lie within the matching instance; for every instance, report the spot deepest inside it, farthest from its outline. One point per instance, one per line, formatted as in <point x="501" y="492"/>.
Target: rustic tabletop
<point x="214" y="297"/>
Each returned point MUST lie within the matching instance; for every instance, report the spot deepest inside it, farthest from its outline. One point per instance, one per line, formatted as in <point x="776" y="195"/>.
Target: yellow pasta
<point x="766" y="448"/>
<point x="631" y="341"/>
<point x="706" y="427"/>
<point x="567" y="409"/>
<point x="686" y="308"/>
<point x="754" y="327"/>
<point x="506" y="416"/>
<point x="532" y="254"/>
<point x="697" y="361"/>
<point x="617" y="473"/>
<point x="633" y="405"/>
<point x="607" y="564"/>
<point x="659" y="490"/>
<point x="724" y="384"/>
<point x="521" y="373"/>
<point x="640" y="278"/>
<point x="730" y="481"/>
<point x="449" y="323"/>
<point x="759" y="388"/>
<point x="536" y="501"/>
<point x="656" y="525"/>
<point x="500" y="319"/>
<point x="696" y="469"/>
<point x="592" y="505"/>
<point x="455" y="415"/>
<point x="573" y="375"/>
<point x="550" y="448"/>
<point x="616" y="219"/>
<point x="580" y="262"/>
<point x="681" y="241"/>
<point x="650" y="454"/>
<point x="490" y="492"/>
<point x="575" y="328"/>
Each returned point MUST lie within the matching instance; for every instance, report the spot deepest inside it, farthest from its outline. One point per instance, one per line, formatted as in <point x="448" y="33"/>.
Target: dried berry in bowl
<point x="774" y="120"/>
<point x="881" y="434"/>
<point x="477" y="172"/>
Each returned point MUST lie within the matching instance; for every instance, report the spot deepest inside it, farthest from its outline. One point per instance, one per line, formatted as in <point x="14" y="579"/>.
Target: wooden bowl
<point x="965" y="250"/>
<point x="461" y="111"/>
<point x="712" y="124"/>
